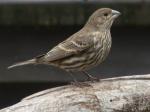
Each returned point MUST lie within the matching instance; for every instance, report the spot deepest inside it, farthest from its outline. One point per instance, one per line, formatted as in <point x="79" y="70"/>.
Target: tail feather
<point x="32" y="61"/>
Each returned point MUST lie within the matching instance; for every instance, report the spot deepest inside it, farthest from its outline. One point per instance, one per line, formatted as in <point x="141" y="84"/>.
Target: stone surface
<point x="122" y="94"/>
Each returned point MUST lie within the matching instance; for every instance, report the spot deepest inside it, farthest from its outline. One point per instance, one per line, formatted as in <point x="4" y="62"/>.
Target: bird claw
<point x="93" y="79"/>
<point x="80" y="84"/>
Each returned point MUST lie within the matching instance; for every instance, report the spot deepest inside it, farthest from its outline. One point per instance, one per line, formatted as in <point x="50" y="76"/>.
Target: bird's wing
<point x="67" y="48"/>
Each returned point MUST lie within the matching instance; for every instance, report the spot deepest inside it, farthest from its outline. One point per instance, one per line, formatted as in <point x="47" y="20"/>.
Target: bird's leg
<point x="74" y="79"/>
<point x="76" y="83"/>
<point x="90" y="77"/>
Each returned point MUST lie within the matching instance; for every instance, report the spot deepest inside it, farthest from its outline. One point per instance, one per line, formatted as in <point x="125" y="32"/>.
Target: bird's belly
<point x="99" y="56"/>
<point x="77" y="62"/>
<point x="83" y="61"/>
<point x="95" y="60"/>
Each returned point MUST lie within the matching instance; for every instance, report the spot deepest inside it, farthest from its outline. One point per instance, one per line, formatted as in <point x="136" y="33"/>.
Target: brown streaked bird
<point x="83" y="50"/>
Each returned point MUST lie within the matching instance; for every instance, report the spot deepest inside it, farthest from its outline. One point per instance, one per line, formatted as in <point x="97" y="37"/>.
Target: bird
<point x="83" y="50"/>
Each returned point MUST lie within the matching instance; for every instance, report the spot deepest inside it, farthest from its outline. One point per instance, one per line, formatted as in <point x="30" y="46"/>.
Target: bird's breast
<point x="102" y="45"/>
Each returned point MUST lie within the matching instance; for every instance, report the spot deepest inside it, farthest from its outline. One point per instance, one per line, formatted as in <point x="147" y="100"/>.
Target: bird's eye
<point x="105" y="14"/>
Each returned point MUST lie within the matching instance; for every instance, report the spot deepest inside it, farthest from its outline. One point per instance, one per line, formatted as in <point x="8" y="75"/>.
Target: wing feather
<point x="67" y="48"/>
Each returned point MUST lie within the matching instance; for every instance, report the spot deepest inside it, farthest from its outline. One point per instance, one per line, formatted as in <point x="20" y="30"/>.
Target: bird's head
<point x="103" y="18"/>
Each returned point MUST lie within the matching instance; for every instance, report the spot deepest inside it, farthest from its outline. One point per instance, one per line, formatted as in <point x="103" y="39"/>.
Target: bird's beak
<point x="115" y="13"/>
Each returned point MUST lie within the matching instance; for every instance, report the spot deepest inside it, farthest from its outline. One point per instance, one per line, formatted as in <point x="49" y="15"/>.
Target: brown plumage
<point x="84" y="49"/>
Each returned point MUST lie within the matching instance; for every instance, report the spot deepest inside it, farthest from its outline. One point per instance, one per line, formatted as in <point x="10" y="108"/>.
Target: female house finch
<point x="83" y="50"/>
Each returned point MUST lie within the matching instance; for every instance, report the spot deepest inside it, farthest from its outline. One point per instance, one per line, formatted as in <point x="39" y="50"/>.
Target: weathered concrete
<point x="122" y="94"/>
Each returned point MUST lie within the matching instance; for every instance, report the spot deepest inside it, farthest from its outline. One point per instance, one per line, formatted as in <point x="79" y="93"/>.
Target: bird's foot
<point x="80" y="84"/>
<point x="93" y="79"/>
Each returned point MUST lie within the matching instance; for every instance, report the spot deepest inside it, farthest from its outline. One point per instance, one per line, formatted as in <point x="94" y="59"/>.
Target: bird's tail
<point x="31" y="61"/>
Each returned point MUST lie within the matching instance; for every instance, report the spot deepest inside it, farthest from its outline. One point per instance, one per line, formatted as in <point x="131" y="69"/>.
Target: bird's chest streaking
<point x="102" y="45"/>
